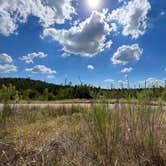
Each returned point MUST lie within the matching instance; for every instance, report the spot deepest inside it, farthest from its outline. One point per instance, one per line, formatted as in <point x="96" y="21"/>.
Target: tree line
<point x="27" y="89"/>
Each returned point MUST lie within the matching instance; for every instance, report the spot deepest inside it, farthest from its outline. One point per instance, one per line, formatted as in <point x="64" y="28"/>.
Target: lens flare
<point x="94" y="4"/>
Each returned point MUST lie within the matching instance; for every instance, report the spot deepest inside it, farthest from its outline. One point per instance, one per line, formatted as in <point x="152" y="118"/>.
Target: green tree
<point x="8" y="93"/>
<point x="31" y="94"/>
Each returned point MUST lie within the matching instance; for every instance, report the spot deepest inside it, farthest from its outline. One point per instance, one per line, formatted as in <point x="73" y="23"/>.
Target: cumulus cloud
<point x="109" y="81"/>
<point x="87" y="38"/>
<point x="5" y="58"/>
<point x="127" y="54"/>
<point x="123" y="83"/>
<point x="108" y="44"/>
<point x="49" y="12"/>
<point x="7" y="68"/>
<point x="152" y="81"/>
<point x="133" y="17"/>
<point x="127" y="70"/>
<point x="90" y="67"/>
<point x="41" y="69"/>
<point x="162" y="13"/>
<point x="50" y="76"/>
<point x="29" y="58"/>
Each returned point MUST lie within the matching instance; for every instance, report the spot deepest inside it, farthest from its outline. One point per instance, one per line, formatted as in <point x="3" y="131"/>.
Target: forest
<point x="27" y="89"/>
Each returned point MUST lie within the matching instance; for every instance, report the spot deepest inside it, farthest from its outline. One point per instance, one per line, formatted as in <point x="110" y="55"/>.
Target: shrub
<point x="5" y="114"/>
<point x="164" y="95"/>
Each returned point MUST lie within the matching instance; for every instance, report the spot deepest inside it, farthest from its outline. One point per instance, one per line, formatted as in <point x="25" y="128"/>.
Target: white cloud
<point x="5" y="58"/>
<point x="123" y="83"/>
<point x="126" y="76"/>
<point x="114" y="26"/>
<point x="133" y="17"/>
<point x="109" y="81"/>
<point x="29" y="58"/>
<point x="49" y="12"/>
<point x="108" y="44"/>
<point x="127" y="70"/>
<point x="162" y="13"/>
<point x="152" y="81"/>
<point x="127" y="54"/>
<point x="87" y="38"/>
<point x="41" y="69"/>
<point x="90" y="67"/>
<point x="50" y="76"/>
<point x="120" y="0"/>
<point x="7" y="68"/>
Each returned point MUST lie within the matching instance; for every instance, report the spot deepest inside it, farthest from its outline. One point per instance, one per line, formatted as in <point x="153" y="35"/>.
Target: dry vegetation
<point x="133" y="135"/>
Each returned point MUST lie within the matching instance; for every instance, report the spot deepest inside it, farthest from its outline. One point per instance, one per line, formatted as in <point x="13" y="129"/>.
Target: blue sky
<point x="71" y="39"/>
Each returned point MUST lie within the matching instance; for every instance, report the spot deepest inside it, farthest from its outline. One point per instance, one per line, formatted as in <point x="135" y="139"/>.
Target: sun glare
<point x="93" y="4"/>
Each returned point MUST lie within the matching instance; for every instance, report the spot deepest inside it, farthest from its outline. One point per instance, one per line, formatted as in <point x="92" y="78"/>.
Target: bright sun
<point x="93" y="4"/>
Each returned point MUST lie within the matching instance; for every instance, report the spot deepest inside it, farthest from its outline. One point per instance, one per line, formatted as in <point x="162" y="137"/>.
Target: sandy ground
<point x="69" y="105"/>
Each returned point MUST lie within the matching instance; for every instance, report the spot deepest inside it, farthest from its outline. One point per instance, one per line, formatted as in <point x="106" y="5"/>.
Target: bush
<point x="164" y="95"/>
<point x="5" y="114"/>
<point x="8" y="93"/>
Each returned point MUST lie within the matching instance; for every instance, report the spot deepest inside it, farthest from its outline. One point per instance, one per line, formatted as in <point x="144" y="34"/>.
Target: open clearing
<point x="83" y="134"/>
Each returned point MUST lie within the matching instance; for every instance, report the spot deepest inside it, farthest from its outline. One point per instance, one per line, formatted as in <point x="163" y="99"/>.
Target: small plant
<point x="7" y="93"/>
<point x="164" y="95"/>
<point x="106" y="131"/>
<point x="5" y="114"/>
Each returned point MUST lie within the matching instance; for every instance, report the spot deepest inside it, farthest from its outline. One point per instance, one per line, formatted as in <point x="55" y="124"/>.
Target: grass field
<point x="130" y="136"/>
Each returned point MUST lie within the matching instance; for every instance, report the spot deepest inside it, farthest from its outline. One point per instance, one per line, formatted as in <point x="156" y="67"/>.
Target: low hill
<point x="35" y="89"/>
<point x="38" y="90"/>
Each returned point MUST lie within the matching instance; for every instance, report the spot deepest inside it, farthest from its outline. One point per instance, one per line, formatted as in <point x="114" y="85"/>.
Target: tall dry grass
<point x="128" y="135"/>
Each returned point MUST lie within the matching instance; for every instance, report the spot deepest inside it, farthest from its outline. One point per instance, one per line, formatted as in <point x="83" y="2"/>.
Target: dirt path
<point x="69" y="105"/>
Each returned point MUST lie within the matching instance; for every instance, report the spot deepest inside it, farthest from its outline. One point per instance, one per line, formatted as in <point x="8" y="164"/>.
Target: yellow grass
<point x="64" y="137"/>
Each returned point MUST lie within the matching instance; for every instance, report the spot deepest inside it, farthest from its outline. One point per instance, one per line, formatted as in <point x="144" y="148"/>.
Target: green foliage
<point x="164" y="95"/>
<point x="126" y="133"/>
<point x="145" y="95"/>
<point x="106" y="129"/>
<point x="38" y="90"/>
<point x="8" y="93"/>
<point x="30" y="94"/>
<point x="5" y="114"/>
